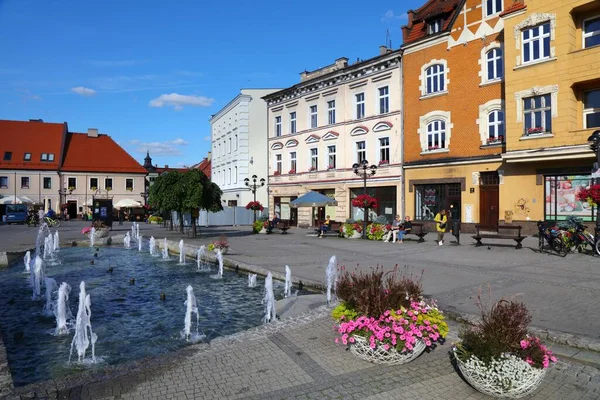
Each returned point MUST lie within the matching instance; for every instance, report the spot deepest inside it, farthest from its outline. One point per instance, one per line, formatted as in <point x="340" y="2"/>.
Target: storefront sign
<point x="508" y="217"/>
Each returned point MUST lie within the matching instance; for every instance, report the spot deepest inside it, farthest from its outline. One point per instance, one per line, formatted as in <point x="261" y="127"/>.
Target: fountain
<point x="191" y="308"/>
<point x="287" y="292"/>
<point x="152" y="246"/>
<point x="83" y="327"/>
<point x="37" y="277"/>
<point x="27" y="261"/>
<point x="137" y="232"/>
<point x="92" y="236"/>
<point x="42" y="232"/>
<point x="219" y="256"/>
<point x="139" y="239"/>
<point x="133" y="231"/>
<point x="48" y="247"/>
<point x="181" y="253"/>
<point x="56" y="241"/>
<point x="165" y="250"/>
<point x="269" y="300"/>
<point x="252" y="280"/>
<point x="62" y="312"/>
<point x="331" y="275"/>
<point x="51" y="287"/>
<point x="127" y="241"/>
<point x="201" y="256"/>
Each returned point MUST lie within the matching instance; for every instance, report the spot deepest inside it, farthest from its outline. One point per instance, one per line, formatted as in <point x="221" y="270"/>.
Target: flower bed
<point x="376" y="231"/>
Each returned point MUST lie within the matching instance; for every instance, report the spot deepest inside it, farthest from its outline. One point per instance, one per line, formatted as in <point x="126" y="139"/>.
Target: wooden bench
<point x="283" y="226"/>
<point x="417" y="230"/>
<point x="517" y="237"/>
<point x="334" y="228"/>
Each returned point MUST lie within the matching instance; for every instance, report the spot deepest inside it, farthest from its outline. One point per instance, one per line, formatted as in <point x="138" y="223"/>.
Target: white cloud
<point x="207" y="138"/>
<point x="177" y="101"/>
<point x="83" y="91"/>
<point x="391" y="16"/>
<point x="166" y="148"/>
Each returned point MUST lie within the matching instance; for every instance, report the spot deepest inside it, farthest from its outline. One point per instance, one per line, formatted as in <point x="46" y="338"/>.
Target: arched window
<point x="436" y="135"/>
<point x="495" y="66"/>
<point x="495" y="126"/>
<point x="435" y="79"/>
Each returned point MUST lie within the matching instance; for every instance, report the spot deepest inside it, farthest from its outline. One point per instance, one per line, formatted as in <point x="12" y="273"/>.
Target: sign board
<point x="468" y="213"/>
<point x="508" y="217"/>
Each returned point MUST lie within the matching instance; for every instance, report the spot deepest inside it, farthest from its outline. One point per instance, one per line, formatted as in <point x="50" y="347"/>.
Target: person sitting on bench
<point x="394" y="230"/>
<point x="325" y="227"/>
<point x="404" y="229"/>
<point x="273" y="223"/>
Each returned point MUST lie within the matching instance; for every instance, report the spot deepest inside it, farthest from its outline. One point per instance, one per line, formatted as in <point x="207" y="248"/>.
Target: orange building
<point x="453" y="71"/>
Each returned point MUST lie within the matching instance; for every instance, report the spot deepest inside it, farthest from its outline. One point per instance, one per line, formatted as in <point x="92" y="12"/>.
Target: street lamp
<point x="594" y="142"/>
<point x="253" y="186"/>
<point x="363" y="170"/>
<point x="61" y="193"/>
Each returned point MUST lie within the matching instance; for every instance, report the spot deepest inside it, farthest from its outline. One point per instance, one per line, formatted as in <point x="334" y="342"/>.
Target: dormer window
<point x="44" y="157"/>
<point x="27" y="157"/>
<point x="7" y="155"/>
<point x="434" y="26"/>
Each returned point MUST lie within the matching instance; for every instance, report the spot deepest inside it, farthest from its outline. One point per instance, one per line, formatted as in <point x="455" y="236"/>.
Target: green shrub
<point x="343" y="313"/>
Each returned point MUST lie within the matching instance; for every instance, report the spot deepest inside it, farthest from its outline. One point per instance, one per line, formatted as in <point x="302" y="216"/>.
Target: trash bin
<point x="456" y="230"/>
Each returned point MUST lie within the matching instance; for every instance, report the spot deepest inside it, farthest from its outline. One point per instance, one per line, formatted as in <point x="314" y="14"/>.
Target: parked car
<point x="16" y="213"/>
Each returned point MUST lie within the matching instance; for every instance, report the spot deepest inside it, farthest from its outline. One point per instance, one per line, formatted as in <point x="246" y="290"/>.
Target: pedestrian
<point x="441" y="219"/>
<point x="65" y="213"/>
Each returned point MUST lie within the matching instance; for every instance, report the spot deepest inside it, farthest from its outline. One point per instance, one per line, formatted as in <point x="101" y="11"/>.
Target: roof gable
<point x="416" y="28"/>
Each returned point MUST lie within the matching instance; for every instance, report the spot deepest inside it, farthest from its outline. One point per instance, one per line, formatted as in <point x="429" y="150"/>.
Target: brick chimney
<point x="409" y="24"/>
<point x="92" y="132"/>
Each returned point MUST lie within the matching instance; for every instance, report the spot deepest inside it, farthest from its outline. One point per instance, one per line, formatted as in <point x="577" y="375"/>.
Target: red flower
<point x="292" y="171"/>
<point x="592" y="193"/>
<point x="365" y="201"/>
<point x="254" y="205"/>
<point x="276" y="173"/>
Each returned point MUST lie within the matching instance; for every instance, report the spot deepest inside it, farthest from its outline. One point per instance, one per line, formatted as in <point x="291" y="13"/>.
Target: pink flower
<point x="373" y="345"/>
<point x="351" y="340"/>
<point x="337" y="340"/>
<point x="386" y="347"/>
<point x="529" y="361"/>
<point x="524" y="344"/>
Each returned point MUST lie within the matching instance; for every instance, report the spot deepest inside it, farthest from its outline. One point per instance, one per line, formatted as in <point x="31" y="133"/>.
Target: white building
<point x="239" y="147"/>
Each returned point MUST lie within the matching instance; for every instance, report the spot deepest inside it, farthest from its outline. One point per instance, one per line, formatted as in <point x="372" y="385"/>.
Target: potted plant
<point x="277" y="173"/>
<point x="331" y="167"/>
<point x="383" y="317"/>
<point x="155" y="219"/>
<point x="292" y="171"/>
<point x="130" y="189"/>
<point x="108" y="188"/>
<point x="383" y="162"/>
<point x="221" y="244"/>
<point x="254" y="206"/>
<point x="261" y="225"/>
<point x="71" y="188"/>
<point x="591" y="194"/>
<point x="312" y="169"/>
<point x="93" y="188"/>
<point x="101" y="230"/>
<point x="498" y="356"/>
<point x="352" y="230"/>
<point x="376" y="231"/>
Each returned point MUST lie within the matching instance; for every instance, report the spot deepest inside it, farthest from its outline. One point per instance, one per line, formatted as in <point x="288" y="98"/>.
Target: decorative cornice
<point x="359" y="130"/>
<point x="382" y="126"/>
<point x="312" y="139"/>
<point x="331" y="135"/>
<point x="277" y="146"/>
<point x="291" y="143"/>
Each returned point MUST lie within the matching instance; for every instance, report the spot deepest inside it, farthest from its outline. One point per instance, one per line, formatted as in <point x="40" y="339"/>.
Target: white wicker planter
<point x="379" y="355"/>
<point x="355" y="235"/>
<point x="509" y="377"/>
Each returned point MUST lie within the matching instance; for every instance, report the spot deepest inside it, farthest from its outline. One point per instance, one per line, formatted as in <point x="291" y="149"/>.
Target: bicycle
<point x="51" y="222"/>
<point x="32" y="220"/>
<point x="554" y="237"/>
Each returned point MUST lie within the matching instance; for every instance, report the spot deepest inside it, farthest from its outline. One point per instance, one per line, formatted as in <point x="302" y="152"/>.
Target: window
<point x="44" y="157"/>
<point x="24" y="182"/>
<point x="278" y="164"/>
<point x="129" y="184"/>
<point x="360" y="105"/>
<point x="51" y="157"/>
<point x="293" y="162"/>
<point x="72" y="183"/>
<point x="494" y="64"/>
<point x="431" y="199"/>
<point x="436" y="135"/>
<point x="7" y="155"/>
<point x="313" y="116"/>
<point x="561" y="202"/>
<point x="384" y="150"/>
<point x="331" y="112"/>
<point x="492" y="7"/>
<point x="235" y="174"/>
<point x="278" y="125"/>
<point x="235" y="143"/>
<point x="384" y="100"/>
<point x="293" y="122"/>
<point x="229" y="176"/>
<point x="591" y="108"/>
<point x="435" y="79"/>
<point x="27" y="157"/>
<point x="361" y="151"/>
<point x="332" y="160"/>
<point x="229" y="145"/>
<point x="434" y="26"/>
<point x="4" y="182"/>
<point x="495" y="127"/>
<point x="536" y="43"/>
<point x="108" y="183"/>
<point x="314" y="159"/>
<point x="93" y="183"/>
<point x="591" y="32"/>
<point x="537" y="115"/>
<point x="47" y="182"/>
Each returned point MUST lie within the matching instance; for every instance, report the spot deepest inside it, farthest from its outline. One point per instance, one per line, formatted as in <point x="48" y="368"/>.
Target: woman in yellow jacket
<point x="441" y="219"/>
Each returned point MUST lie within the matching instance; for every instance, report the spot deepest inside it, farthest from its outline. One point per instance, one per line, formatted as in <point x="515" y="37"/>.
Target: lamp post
<point x="256" y="183"/>
<point x="364" y="171"/>
<point x="594" y="142"/>
<point x="61" y="193"/>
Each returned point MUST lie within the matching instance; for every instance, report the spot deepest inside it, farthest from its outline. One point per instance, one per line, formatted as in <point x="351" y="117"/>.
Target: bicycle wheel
<point x="541" y="243"/>
<point x="559" y="247"/>
<point x="597" y="247"/>
<point x="56" y="223"/>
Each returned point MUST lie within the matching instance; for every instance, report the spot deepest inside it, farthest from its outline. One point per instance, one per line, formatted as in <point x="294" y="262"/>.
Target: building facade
<point x="552" y="107"/>
<point x="335" y="117"/>
<point x="454" y="136"/>
<point x="239" y="146"/>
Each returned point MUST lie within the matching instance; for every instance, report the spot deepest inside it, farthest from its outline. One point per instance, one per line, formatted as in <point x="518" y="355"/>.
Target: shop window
<point x="561" y="202"/>
<point x="386" y="198"/>
<point x="431" y="199"/>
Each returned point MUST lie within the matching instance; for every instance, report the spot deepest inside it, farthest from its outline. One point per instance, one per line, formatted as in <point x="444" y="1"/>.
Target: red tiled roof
<point x="204" y="166"/>
<point x="98" y="154"/>
<point x="161" y="171"/>
<point x="416" y="29"/>
<point x="20" y="137"/>
<point x="516" y="6"/>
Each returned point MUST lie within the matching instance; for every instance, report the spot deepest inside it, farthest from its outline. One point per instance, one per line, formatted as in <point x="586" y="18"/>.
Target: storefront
<point x="431" y="199"/>
<point x="386" y="197"/>
<point x="560" y="194"/>
<point x="284" y="210"/>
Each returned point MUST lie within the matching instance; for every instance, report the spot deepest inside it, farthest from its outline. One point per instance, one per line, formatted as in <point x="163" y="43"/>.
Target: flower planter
<point x="379" y="355"/>
<point x="355" y="235"/>
<point x="510" y="377"/>
<point x="99" y="234"/>
<point x="224" y="250"/>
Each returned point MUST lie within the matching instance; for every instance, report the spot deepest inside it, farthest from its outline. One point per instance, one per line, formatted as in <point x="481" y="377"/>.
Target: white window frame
<point x="235" y="143"/>
<point x="499" y="125"/>
<point x="90" y="182"/>
<point x="293" y="123"/>
<point x="132" y="184"/>
<point x="357" y="151"/>
<point x="331" y="112"/>
<point x="532" y="39"/>
<point x="497" y="64"/>
<point x="494" y="9"/>
<point x="278" y="125"/>
<point x="482" y="121"/>
<point x="229" y="146"/>
<point x="331" y="154"/>
<point x="436" y="132"/>
<point x="112" y="182"/>
<point x="50" y="157"/>
<point x="359" y="104"/>
<point x="586" y="35"/>
<point x="588" y="111"/>
<point x="46" y="188"/>
<point x="235" y="174"/>
<point x="385" y="98"/>
<point x="278" y="163"/>
<point x="483" y="63"/>
<point x="434" y="26"/>
<point x="382" y="148"/>
<point x="313" y="157"/>
<point x="423" y="77"/>
<point x="44" y="157"/>
<point x="229" y="176"/>
<point x="76" y="183"/>
<point x="435" y="75"/>
<point x="545" y="108"/>
<point x="293" y="161"/>
<point x="314" y="114"/>
<point x="25" y="158"/>
<point x="425" y="120"/>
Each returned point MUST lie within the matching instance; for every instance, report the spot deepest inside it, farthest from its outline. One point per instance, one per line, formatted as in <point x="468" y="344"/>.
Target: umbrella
<point x="16" y="200"/>
<point x="127" y="203"/>
<point x="313" y="199"/>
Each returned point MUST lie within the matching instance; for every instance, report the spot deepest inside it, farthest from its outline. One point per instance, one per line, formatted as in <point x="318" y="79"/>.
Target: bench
<point x="517" y="237"/>
<point x="334" y="229"/>
<point x="417" y="230"/>
<point x="283" y="226"/>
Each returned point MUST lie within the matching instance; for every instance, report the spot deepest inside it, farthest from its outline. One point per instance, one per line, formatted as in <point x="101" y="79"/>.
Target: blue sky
<point x="150" y="73"/>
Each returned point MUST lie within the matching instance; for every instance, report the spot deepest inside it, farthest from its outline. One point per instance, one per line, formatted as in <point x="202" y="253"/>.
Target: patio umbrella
<point x="16" y="200"/>
<point x="127" y="203"/>
<point x="313" y="199"/>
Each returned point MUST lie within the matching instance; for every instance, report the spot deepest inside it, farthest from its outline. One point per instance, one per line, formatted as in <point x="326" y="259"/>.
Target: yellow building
<point x="552" y="97"/>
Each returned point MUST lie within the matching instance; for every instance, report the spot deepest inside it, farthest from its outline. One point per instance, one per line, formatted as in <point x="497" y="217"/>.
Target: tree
<point x="166" y="193"/>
